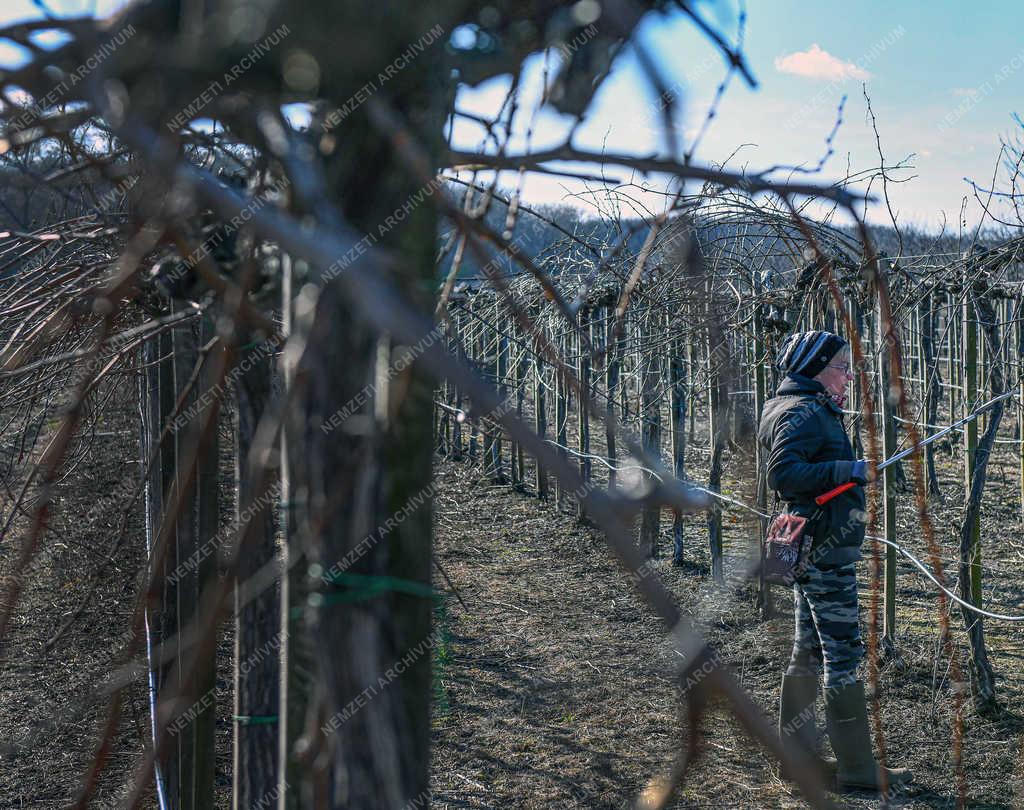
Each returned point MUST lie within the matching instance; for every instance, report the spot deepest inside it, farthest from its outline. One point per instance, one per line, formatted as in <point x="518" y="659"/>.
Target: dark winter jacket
<point x="808" y="454"/>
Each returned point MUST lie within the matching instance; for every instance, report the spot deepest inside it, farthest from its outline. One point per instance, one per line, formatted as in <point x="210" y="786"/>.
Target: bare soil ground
<point x="53" y="700"/>
<point x="556" y="686"/>
<point x="54" y="697"/>
<point x="559" y="685"/>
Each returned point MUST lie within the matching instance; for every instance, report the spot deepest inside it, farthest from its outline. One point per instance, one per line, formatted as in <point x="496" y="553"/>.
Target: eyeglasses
<point x="845" y="367"/>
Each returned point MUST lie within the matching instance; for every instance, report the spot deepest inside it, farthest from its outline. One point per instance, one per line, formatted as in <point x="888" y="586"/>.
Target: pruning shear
<point x="824" y="498"/>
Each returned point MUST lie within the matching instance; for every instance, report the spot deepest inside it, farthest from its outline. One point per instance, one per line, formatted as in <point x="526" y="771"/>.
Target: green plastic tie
<point x="360" y="587"/>
<point x="367" y="586"/>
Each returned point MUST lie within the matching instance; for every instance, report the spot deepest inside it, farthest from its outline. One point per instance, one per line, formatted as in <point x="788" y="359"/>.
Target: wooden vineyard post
<point x="953" y="322"/>
<point x="522" y="369"/>
<point x="501" y="383"/>
<point x="615" y="347"/>
<point x="717" y="410"/>
<point x="911" y="340"/>
<point x="888" y="396"/>
<point x="1019" y="312"/>
<point x="693" y="361"/>
<point x="184" y="358"/>
<point x="455" y="339"/>
<point x="296" y="664"/>
<point x="444" y="416"/>
<point x="540" y="419"/>
<point x="476" y="347"/>
<point x="650" y="415"/>
<point x="981" y="374"/>
<point x="677" y="383"/>
<point x="488" y="360"/>
<point x="179" y="763"/>
<point x="970" y="380"/>
<point x="624" y="407"/>
<point x="764" y="599"/>
<point x="441" y="423"/>
<point x="583" y="423"/>
<point x="258" y="630"/>
<point x="191" y="731"/>
<point x="931" y="382"/>
<point x="982" y="675"/>
<point x="208" y="519"/>
<point x="856" y="422"/>
<point x="516" y="452"/>
<point x="524" y="366"/>
<point x="561" y="432"/>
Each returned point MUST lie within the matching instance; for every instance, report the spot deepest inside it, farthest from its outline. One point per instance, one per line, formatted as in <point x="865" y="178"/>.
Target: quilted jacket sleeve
<point x="796" y="439"/>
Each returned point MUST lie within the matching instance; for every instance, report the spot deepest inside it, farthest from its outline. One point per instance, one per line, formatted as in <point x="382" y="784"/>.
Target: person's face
<point x="837" y="374"/>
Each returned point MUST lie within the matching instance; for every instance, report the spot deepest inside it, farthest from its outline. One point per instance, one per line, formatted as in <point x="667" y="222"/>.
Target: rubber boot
<point x="846" y="714"/>
<point x="797" y="721"/>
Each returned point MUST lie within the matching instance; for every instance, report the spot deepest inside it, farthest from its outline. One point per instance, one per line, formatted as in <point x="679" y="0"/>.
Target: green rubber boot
<point x="797" y="721"/>
<point x="846" y="713"/>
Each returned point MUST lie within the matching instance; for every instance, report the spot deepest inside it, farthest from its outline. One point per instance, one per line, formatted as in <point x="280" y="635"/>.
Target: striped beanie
<point x="807" y="353"/>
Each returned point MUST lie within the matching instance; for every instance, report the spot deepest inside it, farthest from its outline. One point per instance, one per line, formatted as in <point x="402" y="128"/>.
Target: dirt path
<point x="556" y="685"/>
<point x="52" y="699"/>
<point x="558" y="681"/>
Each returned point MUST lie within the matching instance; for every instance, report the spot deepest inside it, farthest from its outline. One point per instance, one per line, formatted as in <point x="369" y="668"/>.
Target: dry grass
<point x="559" y="683"/>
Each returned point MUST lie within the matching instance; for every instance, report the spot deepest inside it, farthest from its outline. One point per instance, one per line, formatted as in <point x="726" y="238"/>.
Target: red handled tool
<point x="825" y="497"/>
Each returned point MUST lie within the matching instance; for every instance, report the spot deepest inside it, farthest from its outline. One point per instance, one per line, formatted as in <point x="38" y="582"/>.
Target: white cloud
<point x="815" y="63"/>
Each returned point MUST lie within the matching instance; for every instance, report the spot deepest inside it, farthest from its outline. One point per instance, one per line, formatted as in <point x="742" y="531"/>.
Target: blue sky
<point x="943" y="78"/>
<point x="943" y="81"/>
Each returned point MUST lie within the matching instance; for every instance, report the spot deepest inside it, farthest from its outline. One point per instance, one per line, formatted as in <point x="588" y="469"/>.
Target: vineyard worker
<point x="808" y="453"/>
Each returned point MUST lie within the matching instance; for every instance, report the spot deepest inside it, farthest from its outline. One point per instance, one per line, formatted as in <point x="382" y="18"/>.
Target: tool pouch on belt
<point x="787" y="545"/>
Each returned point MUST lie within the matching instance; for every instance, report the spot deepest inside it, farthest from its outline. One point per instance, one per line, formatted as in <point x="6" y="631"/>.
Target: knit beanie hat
<point x="807" y="353"/>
